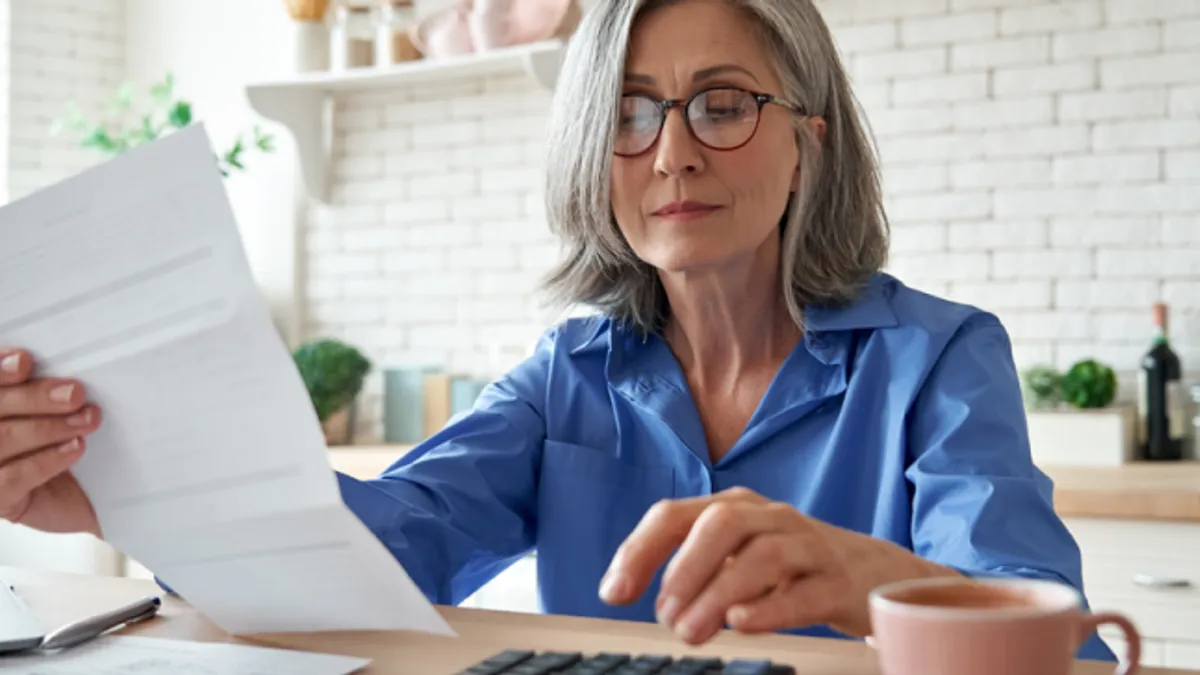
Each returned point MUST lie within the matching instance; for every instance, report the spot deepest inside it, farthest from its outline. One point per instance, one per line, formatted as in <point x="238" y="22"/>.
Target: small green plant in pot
<point x="333" y="372"/>
<point x="1043" y="387"/>
<point x="1089" y="384"/>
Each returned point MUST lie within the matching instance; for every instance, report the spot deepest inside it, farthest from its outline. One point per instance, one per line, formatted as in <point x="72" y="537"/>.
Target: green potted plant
<point x="120" y="127"/>
<point x="333" y="372"/>
<point x="1073" y="417"/>
<point x="1089" y="385"/>
<point x="1042" y="386"/>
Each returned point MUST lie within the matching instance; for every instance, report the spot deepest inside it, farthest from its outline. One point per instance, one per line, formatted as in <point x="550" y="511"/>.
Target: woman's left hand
<point x="755" y="565"/>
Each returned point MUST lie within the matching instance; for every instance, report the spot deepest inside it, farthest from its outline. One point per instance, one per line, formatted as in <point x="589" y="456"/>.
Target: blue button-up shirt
<point x="899" y="416"/>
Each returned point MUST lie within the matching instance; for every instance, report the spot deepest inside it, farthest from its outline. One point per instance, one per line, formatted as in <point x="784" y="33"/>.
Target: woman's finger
<point x="656" y="535"/>
<point x="15" y="366"/>
<point x="24" y="434"/>
<point x="20" y="477"/>
<point x="802" y="601"/>
<point x="765" y="562"/>
<point x="45" y="396"/>
<point x="720" y="531"/>
<point x="662" y="530"/>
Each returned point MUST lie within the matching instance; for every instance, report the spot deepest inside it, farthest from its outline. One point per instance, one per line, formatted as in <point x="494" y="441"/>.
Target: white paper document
<point x="210" y="467"/>
<point x="120" y="655"/>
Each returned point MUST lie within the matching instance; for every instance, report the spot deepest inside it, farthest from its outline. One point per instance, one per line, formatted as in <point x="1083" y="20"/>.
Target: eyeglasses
<point x="721" y="118"/>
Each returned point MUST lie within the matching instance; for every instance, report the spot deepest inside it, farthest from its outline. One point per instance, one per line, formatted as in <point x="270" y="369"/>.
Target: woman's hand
<point x="755" y="565"/>
<point x="43" y="422"/>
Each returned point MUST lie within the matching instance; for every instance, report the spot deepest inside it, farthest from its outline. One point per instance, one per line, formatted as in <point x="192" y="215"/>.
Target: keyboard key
<point x="646" y="664"/>
<point x="554" y="661"/>
<point x="690" y="665"/>
<point x="527" y="669"/>
<point x="499" y="664"/>
<point x="600" y="664"/>
<point x="649" y="664"/>
<point x="741" y="667"/>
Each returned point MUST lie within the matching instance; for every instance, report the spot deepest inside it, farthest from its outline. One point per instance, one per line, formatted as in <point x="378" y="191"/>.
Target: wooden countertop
<point x="1143" y="491"/>
<point x="56" y="598"/>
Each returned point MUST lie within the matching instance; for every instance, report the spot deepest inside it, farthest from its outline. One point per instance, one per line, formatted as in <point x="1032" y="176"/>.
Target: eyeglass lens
<point x="722" y="119"/>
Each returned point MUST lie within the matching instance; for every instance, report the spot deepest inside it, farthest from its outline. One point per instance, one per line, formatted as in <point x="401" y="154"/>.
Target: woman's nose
<point x="678" y="152"/>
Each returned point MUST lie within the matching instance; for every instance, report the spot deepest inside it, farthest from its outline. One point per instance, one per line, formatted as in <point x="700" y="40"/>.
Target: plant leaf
<point x="180" y="115"/>
<point x="262" y="141"/>
<point x="162" y="91"/>
<point x="123" y="100"/>
<point x="101" y="140"/>
<point x="148" y="130"/>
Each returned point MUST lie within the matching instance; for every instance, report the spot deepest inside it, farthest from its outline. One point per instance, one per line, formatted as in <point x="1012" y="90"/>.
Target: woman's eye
<point x="635" y="122"/>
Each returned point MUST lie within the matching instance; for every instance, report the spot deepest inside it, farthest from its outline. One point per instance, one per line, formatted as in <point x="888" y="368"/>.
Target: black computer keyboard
<point x="517" y="662"/>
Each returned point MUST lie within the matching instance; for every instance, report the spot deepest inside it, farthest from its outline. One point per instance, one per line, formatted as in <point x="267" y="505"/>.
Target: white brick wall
<point x="1051" y="171"/>
<point x="1041" y="160"/>
<point x="59" y="51"/>
<point x="435" y="239"/>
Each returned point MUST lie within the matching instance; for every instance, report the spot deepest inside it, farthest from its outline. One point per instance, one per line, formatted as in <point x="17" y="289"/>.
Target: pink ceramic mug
<point x="952" y="626"/>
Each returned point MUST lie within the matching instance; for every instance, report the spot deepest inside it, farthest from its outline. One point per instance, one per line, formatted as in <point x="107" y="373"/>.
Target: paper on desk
<point x="210" y="467"/>
<point x="120" y="655"/>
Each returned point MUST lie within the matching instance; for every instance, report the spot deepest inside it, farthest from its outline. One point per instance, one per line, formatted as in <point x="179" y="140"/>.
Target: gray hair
<point x="835" y="231"/>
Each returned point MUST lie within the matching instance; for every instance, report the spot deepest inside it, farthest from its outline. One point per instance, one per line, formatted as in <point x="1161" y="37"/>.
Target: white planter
<point x="1072" y="437"/>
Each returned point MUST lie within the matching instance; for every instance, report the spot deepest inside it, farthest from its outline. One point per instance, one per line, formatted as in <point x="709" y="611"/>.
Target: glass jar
<point x="339" y="37"/>
<point x="348" y="46"/>
<point x="392" y="19"/>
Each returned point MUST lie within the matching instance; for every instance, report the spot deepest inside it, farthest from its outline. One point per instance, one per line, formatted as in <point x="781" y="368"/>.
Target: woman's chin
<point x="690" y="260"/>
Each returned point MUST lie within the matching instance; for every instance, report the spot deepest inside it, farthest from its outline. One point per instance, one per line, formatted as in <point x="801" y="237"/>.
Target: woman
<point x="754" y="396"/>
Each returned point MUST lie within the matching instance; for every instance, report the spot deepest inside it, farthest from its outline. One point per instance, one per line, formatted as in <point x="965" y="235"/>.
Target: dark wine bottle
<point x="1161" y="418"/>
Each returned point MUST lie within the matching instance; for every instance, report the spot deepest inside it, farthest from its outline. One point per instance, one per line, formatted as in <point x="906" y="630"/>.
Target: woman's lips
<point x="685" y="210"/>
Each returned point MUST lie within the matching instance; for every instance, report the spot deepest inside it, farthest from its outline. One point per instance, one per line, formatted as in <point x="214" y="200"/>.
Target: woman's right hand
<point x="43" y="427"/>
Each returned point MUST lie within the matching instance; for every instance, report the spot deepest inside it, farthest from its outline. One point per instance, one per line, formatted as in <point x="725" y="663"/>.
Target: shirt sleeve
<point x="980" y="505"/>
<point x="460" y="506"/>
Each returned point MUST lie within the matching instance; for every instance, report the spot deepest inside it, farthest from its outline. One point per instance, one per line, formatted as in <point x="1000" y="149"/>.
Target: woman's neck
<point x="729" y="321"/>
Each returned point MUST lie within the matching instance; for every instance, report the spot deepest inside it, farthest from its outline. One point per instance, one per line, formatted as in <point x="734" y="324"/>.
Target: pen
<point x="93" y="627"/>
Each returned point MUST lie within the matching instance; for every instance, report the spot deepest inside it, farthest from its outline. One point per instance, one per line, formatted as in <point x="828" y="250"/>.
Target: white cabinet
<point x="1150" y="571"/>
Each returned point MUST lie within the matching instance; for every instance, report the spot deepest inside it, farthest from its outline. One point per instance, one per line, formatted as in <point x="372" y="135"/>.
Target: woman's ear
<point x="816" y="127"/>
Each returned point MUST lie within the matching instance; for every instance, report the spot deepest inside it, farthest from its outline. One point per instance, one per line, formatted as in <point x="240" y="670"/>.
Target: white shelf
<point x="301" y="103"/>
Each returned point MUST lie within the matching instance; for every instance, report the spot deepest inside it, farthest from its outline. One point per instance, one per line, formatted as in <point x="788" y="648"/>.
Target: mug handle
<point x="1133" y="640"/>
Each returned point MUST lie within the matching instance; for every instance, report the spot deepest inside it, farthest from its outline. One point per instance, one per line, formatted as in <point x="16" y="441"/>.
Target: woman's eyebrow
<point x="721" y="69"/>
<point x="698" y="76"/>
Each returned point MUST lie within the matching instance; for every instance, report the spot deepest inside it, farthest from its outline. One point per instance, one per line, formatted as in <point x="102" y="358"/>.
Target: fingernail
<point x="62" y="393"/>
<point x="11" y="363"/>
<point x="668" y="610"/>
<point x="612" y="588"/>
<point x="80" y="419"/>
<point x="687" y="629"/>
<point x="738" y="615"/>
<point x="70" y="446"/>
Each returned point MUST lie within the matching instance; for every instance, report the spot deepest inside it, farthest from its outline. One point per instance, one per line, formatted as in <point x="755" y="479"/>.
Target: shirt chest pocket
<point x="593" y="499"/>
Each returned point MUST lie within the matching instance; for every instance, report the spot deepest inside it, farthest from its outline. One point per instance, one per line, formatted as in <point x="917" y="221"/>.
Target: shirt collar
<point x="871" y="308"/>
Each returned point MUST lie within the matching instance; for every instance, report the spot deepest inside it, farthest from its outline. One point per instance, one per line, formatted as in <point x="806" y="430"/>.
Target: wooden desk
<point x="57" y="598"/>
